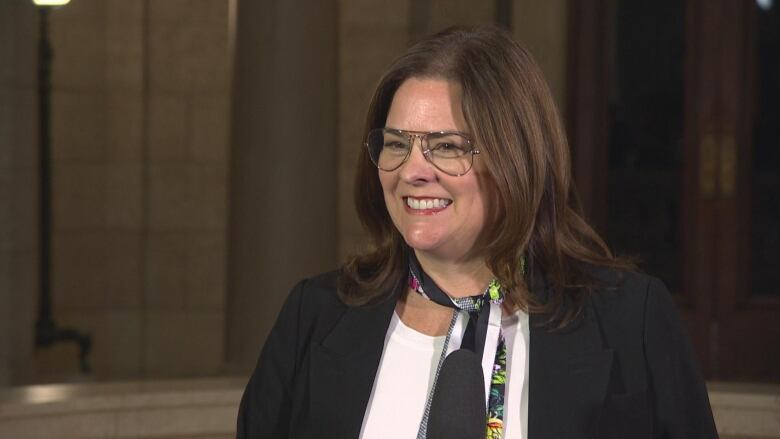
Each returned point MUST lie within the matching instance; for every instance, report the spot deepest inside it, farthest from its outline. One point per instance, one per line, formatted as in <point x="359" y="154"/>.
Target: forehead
<point x="425" y="104"/>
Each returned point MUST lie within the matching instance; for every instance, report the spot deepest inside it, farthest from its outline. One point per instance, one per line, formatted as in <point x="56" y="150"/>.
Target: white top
<point x="405" y="377"/>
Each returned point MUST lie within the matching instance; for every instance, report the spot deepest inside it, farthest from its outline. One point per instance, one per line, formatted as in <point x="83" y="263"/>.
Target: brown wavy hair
<point x="513" y="120"/>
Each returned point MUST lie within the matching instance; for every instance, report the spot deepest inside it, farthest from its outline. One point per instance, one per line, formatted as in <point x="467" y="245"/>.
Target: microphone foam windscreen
<point x="458" y="403"/>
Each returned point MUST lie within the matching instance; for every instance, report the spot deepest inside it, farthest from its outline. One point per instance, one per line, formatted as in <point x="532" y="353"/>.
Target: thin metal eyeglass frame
<point x="423" y="136"/>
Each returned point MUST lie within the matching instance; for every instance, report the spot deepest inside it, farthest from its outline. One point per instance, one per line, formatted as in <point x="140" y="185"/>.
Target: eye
<point x="394" y="144"/>
<point x="447" y="148"/>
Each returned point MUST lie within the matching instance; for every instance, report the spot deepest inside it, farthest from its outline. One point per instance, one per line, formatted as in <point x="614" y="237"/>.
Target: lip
<point x="432" y="211"/>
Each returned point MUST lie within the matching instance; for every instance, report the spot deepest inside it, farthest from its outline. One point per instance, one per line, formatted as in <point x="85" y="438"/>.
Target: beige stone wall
<point x="187" y="109"/>
<point x="140" y="111"/>
<point x="97" y="221"/>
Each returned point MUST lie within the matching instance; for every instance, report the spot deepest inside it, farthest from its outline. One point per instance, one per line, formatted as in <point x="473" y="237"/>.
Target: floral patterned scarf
<point x="482" y="335"/>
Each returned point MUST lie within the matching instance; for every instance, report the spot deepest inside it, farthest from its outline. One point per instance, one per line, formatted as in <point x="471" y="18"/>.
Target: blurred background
<point x="170" y="168"/>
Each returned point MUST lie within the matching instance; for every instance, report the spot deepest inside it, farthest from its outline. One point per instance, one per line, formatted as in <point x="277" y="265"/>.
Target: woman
<point x="464" y="188"/>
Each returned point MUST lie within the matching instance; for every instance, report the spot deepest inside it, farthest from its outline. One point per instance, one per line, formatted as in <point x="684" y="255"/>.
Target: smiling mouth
<point x="427" y="204"/>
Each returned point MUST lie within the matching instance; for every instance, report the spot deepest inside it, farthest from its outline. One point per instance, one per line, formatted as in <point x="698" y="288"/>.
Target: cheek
<point x="388" y="182"/>
<point x="489" y="203"/>
<point x="481" y="207"/>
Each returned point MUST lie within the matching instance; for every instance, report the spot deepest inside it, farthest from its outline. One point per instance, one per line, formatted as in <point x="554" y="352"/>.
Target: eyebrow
<point x="468" y="136"/>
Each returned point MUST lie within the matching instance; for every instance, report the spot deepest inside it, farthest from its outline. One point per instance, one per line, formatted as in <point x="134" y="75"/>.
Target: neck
<point x="456" y="278"/>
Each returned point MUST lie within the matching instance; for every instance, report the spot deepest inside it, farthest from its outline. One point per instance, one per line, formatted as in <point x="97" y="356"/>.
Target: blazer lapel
<point x="568" y="374"/>
<point x="568" y="377"/>
<point x="343" y="368"/>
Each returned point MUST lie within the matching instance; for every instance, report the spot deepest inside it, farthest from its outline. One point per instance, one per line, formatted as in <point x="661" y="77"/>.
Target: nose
<point x="417" y="169"/>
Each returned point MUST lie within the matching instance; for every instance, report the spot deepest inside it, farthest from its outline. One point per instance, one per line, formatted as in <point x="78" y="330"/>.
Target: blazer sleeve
<point x="681" y="406"/>
<point x="264" y="411"/>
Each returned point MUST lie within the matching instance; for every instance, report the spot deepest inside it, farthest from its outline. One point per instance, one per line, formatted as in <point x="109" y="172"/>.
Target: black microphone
<point x="458" y="403"/>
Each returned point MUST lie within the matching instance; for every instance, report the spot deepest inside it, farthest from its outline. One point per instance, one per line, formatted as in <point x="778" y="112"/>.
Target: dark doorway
<point x="674" y="116"/>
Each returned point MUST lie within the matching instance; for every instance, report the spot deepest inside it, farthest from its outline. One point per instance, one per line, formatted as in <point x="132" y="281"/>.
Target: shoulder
<point x="268" y="400"/>
<point x="319" y="290"/>
<point x="626" y="291"/>
<point x="313" y="299"/>
<point x="638" y="319"/>
<point x="625" y="310"/>
<point x="628" y="305"/>
<point x="636" y="315"/>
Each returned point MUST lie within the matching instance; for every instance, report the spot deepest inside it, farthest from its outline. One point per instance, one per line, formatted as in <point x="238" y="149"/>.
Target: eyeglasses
<point x="449" y="151"/>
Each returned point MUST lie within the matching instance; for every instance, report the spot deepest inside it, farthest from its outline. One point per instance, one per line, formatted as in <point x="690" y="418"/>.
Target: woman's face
<point x="449" y="231"/>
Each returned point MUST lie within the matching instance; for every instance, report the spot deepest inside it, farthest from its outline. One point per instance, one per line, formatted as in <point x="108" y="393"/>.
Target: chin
<point x="425" y="241"/>
<point x="429" y="242"/>
<point x="422" y="246"/>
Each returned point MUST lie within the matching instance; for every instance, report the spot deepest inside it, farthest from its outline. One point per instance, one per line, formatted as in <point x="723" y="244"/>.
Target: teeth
<point x="429" y="203"/>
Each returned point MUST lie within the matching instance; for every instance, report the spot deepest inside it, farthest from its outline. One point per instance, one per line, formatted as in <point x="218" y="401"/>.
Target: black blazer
<point x="624" y="370"/>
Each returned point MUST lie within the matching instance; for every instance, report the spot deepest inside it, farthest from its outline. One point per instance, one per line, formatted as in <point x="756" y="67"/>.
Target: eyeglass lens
<point x="450" y="152"/>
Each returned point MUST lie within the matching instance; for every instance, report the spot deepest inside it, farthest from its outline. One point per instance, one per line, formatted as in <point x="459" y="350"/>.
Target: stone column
<point x="283" y="163"/>
<point x="18" y="185"/>
<point x="542" y="28"/>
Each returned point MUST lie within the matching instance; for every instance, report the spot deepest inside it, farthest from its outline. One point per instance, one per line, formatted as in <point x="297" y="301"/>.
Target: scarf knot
<point x="493" y="294"/>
